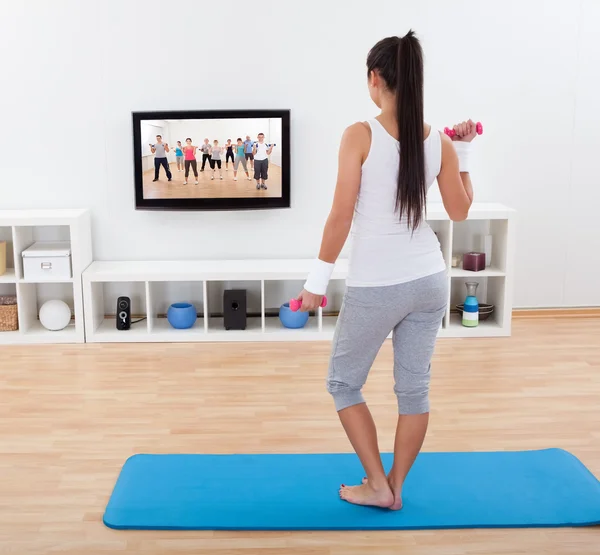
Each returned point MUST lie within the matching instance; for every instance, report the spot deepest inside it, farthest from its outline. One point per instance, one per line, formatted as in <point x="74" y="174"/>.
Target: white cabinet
<point x="21" y="229"/>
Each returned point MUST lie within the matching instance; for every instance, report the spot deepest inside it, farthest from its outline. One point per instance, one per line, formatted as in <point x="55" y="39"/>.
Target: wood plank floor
<point x="71" y="415"/>
<point x="208" y="188"/>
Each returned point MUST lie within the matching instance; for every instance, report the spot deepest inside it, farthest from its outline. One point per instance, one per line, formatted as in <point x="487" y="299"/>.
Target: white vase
<point x="487" y="249"/>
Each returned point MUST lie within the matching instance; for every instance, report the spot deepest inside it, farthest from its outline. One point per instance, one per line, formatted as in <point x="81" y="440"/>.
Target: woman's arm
<point x="353" y="152"/>
<point x="454" y="179"/>
<point x="350" y="161"/>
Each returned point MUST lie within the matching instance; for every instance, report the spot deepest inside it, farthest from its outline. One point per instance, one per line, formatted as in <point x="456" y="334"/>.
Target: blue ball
<point x="182" y="316"/>
<point x="292" y="320"/>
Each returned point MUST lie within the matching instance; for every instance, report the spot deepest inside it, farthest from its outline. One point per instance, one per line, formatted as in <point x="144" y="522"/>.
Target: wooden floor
<point x="207" y="188"/>
<point x="71" y="415"/>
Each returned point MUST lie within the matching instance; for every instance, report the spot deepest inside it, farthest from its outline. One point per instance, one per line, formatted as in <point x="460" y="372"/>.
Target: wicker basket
<point x="9" y="320"/>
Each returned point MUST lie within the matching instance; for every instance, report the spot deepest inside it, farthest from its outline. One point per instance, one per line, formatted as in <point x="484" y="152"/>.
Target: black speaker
<point x="234" y="309"/>
<point x="123" y="313"/>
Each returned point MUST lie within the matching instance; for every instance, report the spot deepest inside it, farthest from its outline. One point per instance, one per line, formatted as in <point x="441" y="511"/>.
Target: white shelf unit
<point x="193" y="281"/>
<point x="495" y="281"/>
<point x="152" y="286"/>
<point x="20" y="229"/>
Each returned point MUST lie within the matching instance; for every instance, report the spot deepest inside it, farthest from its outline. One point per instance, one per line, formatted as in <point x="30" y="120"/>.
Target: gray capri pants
<point x="240" y="160"/>
<point x="413" y="311"/>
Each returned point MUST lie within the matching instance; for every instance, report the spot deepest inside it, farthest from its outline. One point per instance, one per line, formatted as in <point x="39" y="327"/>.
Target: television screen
<point x="203" y="160"/>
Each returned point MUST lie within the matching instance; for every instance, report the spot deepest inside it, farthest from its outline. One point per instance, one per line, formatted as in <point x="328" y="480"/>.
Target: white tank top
<point x="383" y="250"/>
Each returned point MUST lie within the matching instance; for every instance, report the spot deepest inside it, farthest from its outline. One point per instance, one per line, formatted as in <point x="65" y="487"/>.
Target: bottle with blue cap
<point x="470" y="316"/>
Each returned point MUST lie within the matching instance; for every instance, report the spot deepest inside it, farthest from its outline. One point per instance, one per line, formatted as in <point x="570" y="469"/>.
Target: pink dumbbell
<point x="295" y="304"/>
<point x="451" y="132"/>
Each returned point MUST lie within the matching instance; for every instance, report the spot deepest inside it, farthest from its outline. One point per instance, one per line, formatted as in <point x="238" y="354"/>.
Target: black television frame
<point x="253" y="203"/>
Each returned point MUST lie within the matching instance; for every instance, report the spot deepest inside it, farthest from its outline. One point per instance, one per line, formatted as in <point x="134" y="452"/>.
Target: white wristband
<point x="463" y="150"/>
<point x="319" y="277"/>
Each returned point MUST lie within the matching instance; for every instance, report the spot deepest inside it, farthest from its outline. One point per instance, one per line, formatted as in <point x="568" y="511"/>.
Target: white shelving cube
<point x="21" y="228"/>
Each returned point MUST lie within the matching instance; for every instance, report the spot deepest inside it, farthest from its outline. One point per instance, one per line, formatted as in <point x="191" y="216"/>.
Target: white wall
<point x="220" y="129"/>
<point x="149" y="130"/>
<point x="74" y="71"/>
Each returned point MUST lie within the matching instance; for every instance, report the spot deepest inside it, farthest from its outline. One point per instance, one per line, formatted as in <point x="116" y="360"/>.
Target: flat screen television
<point x="212" y="160"/>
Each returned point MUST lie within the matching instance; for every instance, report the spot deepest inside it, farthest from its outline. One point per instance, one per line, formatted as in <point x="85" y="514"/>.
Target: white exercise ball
<point x="55" y="315"/>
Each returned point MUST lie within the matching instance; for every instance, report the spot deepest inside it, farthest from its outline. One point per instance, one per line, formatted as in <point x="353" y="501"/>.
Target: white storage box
<point x="47" y="261"/>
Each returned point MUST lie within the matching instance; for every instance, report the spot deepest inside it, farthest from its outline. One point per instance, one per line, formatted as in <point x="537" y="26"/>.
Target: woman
<point x="397" y="276"/>
<point x="228" y="154"/>
<point x="215" y="159"/>
<point x="179" y="156"/>
<point x="240" y="159"/>
<point x="190" y="160"/>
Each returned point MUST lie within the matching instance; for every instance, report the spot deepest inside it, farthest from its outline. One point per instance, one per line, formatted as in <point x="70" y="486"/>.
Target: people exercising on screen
<point x="228" y="154"/>
<point x="216" y="153"/>
<point x="179" y="156"/>
<point x="205" y="148"/>
<point x="190" y="160"/>
<point x="160" y="151"/>
<point x="240" y="158"/>
<point x="253" y="155"/>
<point x="249" y="156"/>
<point x="261" y="152"/>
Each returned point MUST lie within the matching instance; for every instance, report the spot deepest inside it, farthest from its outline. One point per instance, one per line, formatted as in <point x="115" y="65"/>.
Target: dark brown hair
<point x="399" y="62"/>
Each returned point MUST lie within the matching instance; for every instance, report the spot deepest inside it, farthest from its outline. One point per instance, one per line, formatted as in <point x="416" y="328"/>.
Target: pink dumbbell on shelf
<point x="451" y="132"/>
<point x="295" y="304"/>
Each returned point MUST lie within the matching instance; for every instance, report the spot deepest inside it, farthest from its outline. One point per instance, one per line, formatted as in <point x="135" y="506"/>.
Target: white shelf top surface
<point x="9" y="276"/>
<point x="41" y="217"/>
<point x="228" y="270"/>
<point x="198" y="270"/>
<point x="478" y="211"/>
<point x="488" y="272"/>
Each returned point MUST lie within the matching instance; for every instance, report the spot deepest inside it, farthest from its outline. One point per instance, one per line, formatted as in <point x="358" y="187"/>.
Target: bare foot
<point x="397" y="505"/>
<point x="366" y="495"/>
<point x="397" y="491"/>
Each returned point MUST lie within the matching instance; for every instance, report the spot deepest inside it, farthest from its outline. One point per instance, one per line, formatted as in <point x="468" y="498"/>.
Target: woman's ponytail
<point x="412" y="189"/>
<point x="400" y="63"/>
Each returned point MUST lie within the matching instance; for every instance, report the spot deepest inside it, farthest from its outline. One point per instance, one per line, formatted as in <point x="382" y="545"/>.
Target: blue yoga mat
<point x="299" y="492"/>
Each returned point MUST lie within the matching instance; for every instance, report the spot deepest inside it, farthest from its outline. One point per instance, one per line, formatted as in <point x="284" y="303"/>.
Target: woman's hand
<point x="309" y="301"/>
<point x="465" y="131"/>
